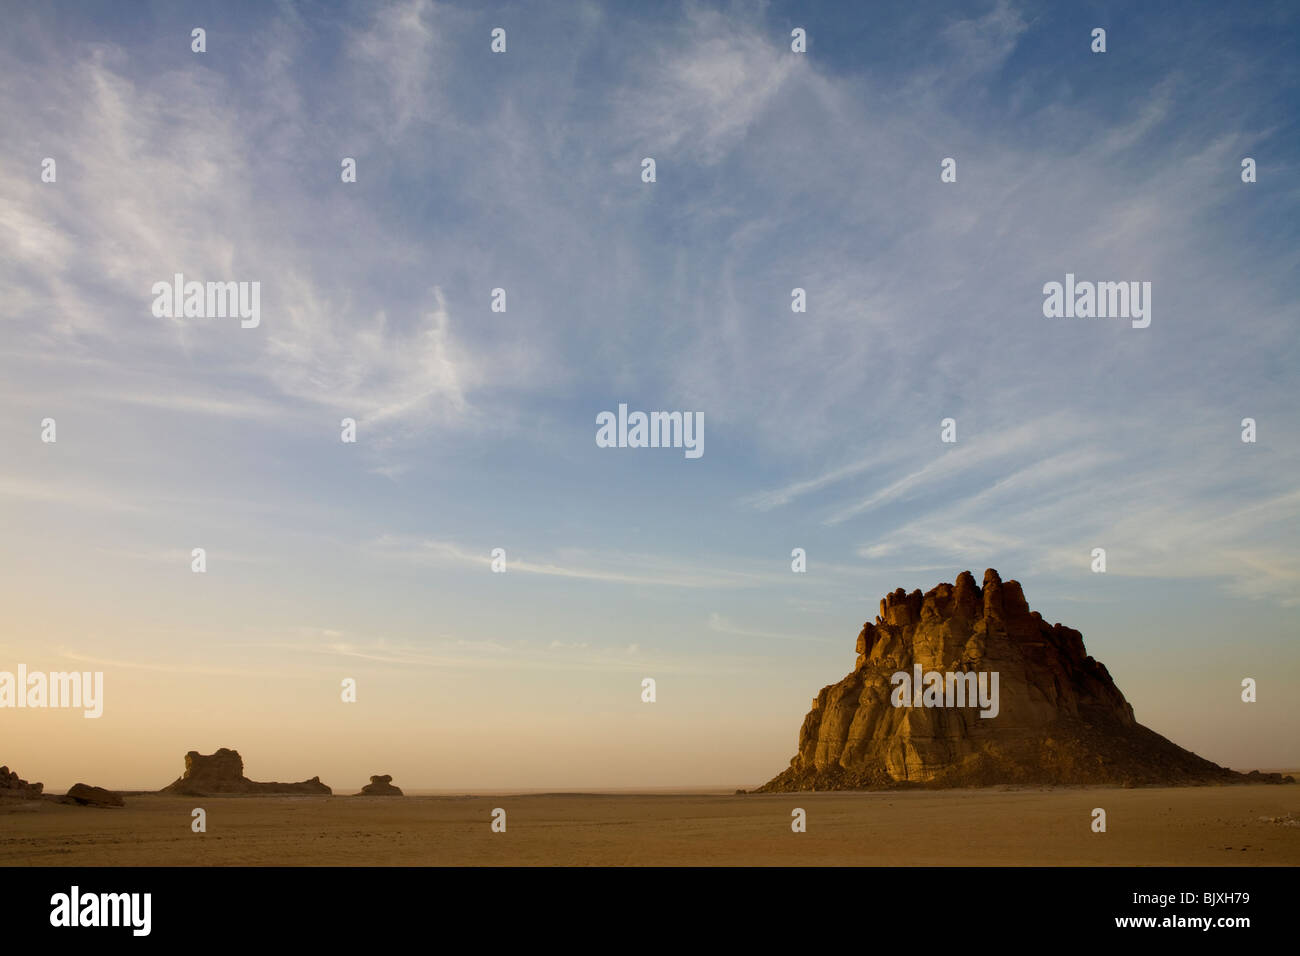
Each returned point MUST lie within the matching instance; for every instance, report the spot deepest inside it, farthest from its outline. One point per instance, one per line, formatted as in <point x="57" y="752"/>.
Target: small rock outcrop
<point x="1055" y="715"/>
<point x="223" y="772"/>
<point x="13" y="786"/>
<point x="88" y="796"/>
<point x="380" y="786"/>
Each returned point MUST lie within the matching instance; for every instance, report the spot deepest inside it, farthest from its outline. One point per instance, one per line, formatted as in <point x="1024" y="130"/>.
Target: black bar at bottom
<point x="634" y="908"/>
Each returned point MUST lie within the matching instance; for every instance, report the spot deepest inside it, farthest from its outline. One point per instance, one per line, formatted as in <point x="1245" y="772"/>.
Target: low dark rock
<point x="88" y="796"/>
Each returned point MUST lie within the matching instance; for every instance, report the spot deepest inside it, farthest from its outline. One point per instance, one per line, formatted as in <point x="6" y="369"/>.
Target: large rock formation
<point x="380" y="786"/>
<point x="1060" y="719"/>
<point x="13" y="786"/>
<point x="223" y="772"/>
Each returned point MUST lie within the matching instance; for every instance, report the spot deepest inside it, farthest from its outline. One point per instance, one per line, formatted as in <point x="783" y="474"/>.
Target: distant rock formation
<point x="13" y="786"/>
<point x="88" y="796"/>
<point x="223" y="772"/>
<point x="1059" y="719"/>
<point x="380" y="787"/>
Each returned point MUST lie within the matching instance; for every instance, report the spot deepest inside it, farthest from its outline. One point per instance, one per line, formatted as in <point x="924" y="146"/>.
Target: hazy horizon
<point x="477" y="429"/>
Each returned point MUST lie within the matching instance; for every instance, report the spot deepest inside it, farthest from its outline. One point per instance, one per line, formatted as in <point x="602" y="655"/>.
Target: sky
<point x="774" y="170"/>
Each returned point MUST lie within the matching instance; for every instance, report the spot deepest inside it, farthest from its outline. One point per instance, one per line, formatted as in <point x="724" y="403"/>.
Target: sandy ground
<point x="1217" y="826"/>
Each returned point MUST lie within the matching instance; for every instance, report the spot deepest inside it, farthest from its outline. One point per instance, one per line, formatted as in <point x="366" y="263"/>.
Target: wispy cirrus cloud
<point x="582" y="565"/>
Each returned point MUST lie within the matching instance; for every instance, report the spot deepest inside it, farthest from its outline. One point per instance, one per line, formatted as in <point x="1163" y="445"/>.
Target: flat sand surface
<point x="1216" y="826"/>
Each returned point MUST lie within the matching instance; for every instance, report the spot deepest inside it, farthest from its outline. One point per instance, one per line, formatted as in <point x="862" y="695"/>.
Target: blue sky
<point x="476" y="429"/>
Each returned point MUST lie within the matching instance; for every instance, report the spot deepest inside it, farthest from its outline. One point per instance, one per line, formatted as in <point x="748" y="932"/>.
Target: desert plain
<point x="1235" y="825"/>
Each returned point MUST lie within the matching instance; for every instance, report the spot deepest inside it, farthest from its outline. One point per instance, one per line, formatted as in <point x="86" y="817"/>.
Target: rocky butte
<point x="380" y="785"/>
<point x="1058" y="718"/>
<point x="223" y="772"/>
